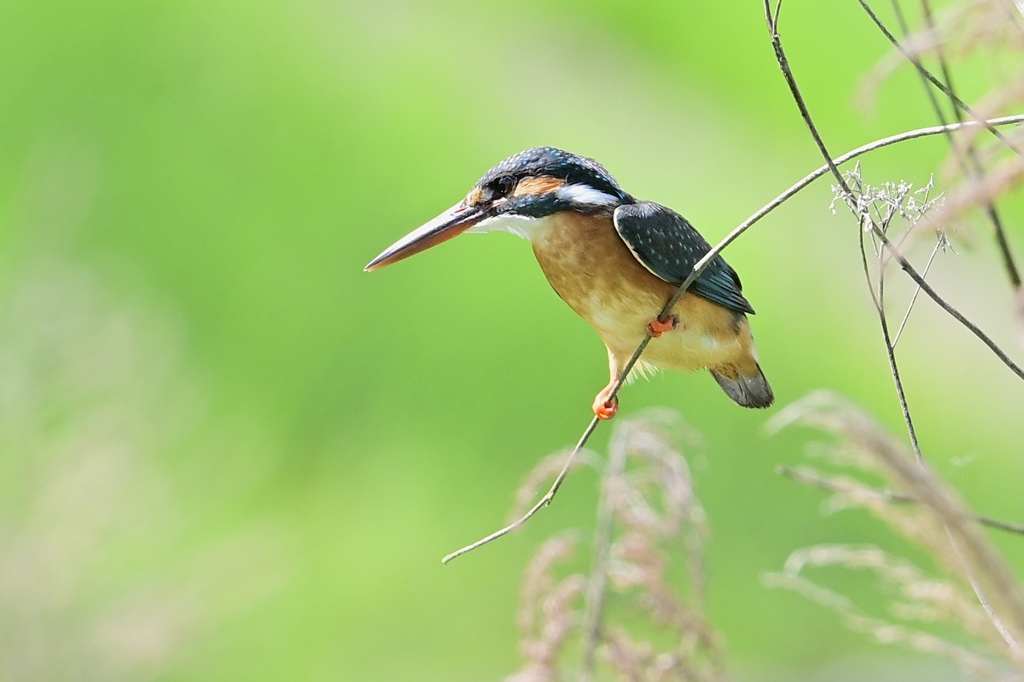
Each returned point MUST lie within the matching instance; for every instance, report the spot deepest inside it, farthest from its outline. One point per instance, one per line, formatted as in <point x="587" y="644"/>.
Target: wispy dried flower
<point x="989" y="163"/>
<point x="974" y="590"/>
<point x="647" y="508"/>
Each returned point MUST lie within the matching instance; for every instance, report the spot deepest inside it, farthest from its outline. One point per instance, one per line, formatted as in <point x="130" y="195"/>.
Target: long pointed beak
<point x="451" y="223"/>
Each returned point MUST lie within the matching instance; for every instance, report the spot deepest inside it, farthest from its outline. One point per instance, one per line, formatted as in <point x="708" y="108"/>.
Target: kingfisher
<point x="616" y="261"/>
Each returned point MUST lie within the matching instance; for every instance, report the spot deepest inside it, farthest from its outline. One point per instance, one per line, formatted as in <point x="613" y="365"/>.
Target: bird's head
<point x="516" y="196"/>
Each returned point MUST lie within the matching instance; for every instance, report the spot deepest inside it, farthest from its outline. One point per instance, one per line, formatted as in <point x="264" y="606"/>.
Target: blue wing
<point x="668" y="245"/>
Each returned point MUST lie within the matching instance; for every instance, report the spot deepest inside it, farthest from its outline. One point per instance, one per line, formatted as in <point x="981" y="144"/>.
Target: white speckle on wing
<point x="584" y="194"/>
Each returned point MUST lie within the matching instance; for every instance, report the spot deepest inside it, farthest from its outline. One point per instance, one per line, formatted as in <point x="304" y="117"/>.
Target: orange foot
<point x="657" y="327"/>
<point x="605" y="407"/>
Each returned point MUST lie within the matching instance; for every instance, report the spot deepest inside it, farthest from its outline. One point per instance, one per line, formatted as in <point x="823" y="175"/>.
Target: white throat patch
<point x="519" y="225"/>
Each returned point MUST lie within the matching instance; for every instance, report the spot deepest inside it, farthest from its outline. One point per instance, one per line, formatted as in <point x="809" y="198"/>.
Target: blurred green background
<point x="228" y="453"/>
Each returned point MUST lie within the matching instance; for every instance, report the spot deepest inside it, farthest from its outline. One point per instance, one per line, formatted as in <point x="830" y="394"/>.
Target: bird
<point x="616" y="261"/>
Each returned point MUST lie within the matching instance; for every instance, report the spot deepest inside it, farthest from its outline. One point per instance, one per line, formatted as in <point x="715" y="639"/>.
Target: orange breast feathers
<point x="590" y="267"/>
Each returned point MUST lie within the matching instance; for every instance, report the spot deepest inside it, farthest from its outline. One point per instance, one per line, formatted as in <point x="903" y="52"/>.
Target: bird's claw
<point x="606" y="407"/>
<point x="657" y="327"/>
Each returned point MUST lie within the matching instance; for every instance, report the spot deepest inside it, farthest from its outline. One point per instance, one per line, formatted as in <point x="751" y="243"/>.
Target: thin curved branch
<point x="698" y="268"/>
<point x="542" y="502"/>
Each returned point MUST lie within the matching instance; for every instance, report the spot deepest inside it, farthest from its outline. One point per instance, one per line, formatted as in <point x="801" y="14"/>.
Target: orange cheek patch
<point x="544" y="184"/>
<point x="475" y="198"/>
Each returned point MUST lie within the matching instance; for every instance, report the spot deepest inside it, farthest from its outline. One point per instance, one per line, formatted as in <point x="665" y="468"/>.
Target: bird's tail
<point x="746" y="385"/>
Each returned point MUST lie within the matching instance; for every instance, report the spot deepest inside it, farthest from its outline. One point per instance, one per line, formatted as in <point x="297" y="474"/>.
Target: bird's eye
<point x="504" y="185"/>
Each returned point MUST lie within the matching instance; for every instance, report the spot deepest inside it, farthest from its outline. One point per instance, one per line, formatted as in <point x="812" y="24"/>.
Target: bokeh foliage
<point x="213" y="175"/>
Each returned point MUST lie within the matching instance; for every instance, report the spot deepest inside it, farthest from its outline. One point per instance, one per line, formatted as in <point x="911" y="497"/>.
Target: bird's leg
<point x="657" y="327"/>
<point x="605" y="405"/>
